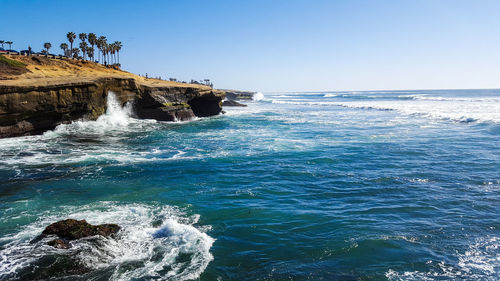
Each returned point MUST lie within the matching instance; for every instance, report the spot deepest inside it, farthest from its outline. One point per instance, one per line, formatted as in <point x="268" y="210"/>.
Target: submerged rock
<point x="53" y="267"/>
<point x="71" y="229"/>
<point x="232" y="103"/>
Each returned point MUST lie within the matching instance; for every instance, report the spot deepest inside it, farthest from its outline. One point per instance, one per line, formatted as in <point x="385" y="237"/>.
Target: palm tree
<point x="83" y="47"/>
<point x="108" y="53"/>
<point x="82" y="36"/>
<point x="102" y="41"/>
<point x="112" y="51"/>
<point x="105" y="51"/>
<point x="64" y="47"/>
<point x="92" y="41"/>
<point x="47" y="46"/>
<point x="10" y="44"/>
<point x="118" y="46"/>
<point x="76" y="52"/>
<point x="71" y="38"/>
<point x="90" y="52"/>
<point x="98" y="43"/>
<point x="2" y="42"/>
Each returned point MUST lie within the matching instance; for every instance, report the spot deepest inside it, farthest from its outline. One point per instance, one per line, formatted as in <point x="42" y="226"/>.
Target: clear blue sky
<point x="282" y="45"/>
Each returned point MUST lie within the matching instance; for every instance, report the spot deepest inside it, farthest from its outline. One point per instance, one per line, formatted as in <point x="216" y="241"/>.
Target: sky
<point x="282" y="45"/>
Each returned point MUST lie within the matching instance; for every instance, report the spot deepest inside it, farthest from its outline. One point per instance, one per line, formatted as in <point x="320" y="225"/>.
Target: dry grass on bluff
<point x="43" y="71"/>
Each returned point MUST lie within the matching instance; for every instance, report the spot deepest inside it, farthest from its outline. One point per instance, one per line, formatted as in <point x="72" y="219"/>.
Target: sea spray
<point x="119" y="118"/>
<point x="258" y="96"/>
<point x="116" y="113"/>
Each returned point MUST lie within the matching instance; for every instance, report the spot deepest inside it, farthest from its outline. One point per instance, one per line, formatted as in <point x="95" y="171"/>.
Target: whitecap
<point x="258" y="96"/>
<point x="158" y="242"/>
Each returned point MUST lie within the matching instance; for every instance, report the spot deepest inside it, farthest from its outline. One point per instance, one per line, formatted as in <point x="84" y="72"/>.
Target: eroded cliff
<point x="34" y="104"/>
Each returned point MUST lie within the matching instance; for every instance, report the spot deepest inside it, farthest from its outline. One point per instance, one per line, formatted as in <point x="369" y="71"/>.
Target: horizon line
<point x="386" y="90"/>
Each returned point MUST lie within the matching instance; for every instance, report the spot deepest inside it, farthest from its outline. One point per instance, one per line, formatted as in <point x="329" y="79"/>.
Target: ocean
<point x="381" y="185"/>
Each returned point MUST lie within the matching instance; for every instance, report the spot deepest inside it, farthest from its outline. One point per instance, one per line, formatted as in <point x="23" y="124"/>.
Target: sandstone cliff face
<point x="27" y="110"/>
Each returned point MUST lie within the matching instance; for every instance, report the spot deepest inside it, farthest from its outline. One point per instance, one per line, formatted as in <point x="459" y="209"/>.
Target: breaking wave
<point x="460" y="109"/>
<point x="469" y="111"/>
<point x="258" y="96"/>
<point x="155" y="242"/>
<point x="83" y="140"/>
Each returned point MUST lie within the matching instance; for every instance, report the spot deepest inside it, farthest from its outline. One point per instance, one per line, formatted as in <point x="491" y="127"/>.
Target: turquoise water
<point x="296" y="186"/>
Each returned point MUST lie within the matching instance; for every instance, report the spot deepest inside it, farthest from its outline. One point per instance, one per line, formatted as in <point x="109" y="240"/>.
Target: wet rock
<point x="232" y="103"/>
<point x="59" y="243"/>
<point x="71" y="229"/>
<point x="18" y="129"/>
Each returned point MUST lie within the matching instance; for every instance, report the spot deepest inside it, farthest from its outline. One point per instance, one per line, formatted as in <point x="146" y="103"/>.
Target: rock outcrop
<point x="239" y="95"/>
<point x="71" y="229"/>
<point x="232" y="103"/>
<point x="28" y="110"/>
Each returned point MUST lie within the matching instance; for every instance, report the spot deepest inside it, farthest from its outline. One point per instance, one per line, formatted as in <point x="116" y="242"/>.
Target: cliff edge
<point x="38" y="93"/>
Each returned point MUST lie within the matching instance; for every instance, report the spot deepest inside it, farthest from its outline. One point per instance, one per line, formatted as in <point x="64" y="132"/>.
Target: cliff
<point x="39" y="93"/>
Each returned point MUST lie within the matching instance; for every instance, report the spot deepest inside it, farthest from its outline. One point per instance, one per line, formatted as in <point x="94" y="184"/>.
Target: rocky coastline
<point x="28" y="107"/>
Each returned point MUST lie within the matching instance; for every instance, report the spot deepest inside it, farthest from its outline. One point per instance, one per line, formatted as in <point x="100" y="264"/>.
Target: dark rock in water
<point x="206" y="105"/>
<point x="71" y="229"/>
<point x="239" y="95"/>
<point x="59" y="243"/>
<point x="232" y="103"/>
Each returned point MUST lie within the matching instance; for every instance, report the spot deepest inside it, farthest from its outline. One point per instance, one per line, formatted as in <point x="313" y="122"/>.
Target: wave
<point x="331" y="95"/>
<point x="258" y="96"/>
<point x="84" y="141"/>
<point x="117" y="118"/>
<point x="155" y="242"/>
<point x="456" y="109"/>
<point x="458" y="99"/>
<point x="304" y="102"/>
<point x="366" y="96"/>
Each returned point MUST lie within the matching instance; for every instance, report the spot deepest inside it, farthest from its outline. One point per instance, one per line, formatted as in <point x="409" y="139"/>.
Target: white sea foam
<point x="118" y="118"/>
<point x="161" y="239"/>
<point x="258" y="96"/>
<point x="57" y="146"/>
<point x="456" y="109"/>
<point x="462" y="111"/>
<point x="331" y="95"/>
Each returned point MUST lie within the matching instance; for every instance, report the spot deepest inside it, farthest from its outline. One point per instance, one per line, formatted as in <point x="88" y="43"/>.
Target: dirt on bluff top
<point x="16" y="70"/>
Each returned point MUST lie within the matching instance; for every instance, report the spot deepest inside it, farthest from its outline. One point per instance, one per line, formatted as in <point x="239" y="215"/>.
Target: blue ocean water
<point x="398" y="185"/>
